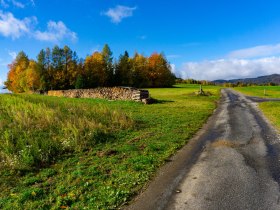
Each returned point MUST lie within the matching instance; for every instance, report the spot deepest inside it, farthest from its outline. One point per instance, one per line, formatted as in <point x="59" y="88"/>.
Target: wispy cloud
<point x="95" y="48"/>
<point x="4" y="4"/>
<point x="173" y="56"/>
<point x="191" y="44"/>
<point x="118" y="13"/>
<point x="1" y="62"/>
<point x="229" y="68"/>
<point x="257" y="51"/>
<point x="15" y="28"/>
<point x="143" y="37"/>
<point x="13" y="54"/>
<point x="16" y="3"/>
<point x="56" y="31"/>
<point x="32" y="3"/>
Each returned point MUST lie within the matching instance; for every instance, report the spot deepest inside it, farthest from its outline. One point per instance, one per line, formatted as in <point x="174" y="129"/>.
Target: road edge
<point x="159" y="190"/>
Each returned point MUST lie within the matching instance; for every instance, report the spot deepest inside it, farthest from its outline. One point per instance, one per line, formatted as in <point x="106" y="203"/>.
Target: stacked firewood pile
<point x="110" y="93"/>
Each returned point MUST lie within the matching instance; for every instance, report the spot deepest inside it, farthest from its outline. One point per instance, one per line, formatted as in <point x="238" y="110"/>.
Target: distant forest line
<point x="60" y="68"/>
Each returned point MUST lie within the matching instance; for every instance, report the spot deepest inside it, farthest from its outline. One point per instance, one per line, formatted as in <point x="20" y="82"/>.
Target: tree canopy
<point x="60" y="68"/>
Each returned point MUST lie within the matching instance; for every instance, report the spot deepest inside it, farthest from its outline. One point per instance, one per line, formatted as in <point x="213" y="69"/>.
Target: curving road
<point x="233" y="163"/>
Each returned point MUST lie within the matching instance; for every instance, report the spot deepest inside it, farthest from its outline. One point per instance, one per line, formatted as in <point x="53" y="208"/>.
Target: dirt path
<point x="233" y="163"/>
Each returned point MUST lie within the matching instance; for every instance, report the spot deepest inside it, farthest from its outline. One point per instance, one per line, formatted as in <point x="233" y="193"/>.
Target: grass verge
<point x="270" y="109"/>
<point x="260" y="91"/>
<point x="96" y="154"/>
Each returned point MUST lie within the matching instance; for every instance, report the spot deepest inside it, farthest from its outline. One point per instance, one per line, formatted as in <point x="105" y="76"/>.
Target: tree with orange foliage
<point x="16" y="81"/>
<point x="160" y="74"/>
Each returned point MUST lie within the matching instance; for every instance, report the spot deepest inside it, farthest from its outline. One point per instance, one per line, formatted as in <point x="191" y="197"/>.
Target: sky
<point x="202" y="39"/>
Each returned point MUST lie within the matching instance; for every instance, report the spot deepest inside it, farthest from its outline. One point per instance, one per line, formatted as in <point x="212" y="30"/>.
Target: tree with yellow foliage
<point x="95" y="70"/>
<point x="140" y="71"/>
<point x="33" y="76"/>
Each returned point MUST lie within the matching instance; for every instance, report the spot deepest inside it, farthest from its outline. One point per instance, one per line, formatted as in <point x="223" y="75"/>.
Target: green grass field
<point x="270" y="109"/>
<point x="59" y="153"/>
<point x="260" y="91"/>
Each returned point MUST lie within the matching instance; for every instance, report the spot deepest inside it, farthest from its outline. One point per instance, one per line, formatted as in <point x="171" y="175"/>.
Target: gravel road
<point x="232" y="163"/>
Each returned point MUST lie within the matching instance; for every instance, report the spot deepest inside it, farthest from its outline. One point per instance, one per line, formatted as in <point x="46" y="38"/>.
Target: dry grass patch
<point x="225" y="143"/>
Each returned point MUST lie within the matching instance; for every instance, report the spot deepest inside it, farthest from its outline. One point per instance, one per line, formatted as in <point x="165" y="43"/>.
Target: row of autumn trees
<point x="60" y="68"/>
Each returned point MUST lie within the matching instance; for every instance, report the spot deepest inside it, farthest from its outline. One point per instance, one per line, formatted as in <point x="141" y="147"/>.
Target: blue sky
<point x="202" y="39"/>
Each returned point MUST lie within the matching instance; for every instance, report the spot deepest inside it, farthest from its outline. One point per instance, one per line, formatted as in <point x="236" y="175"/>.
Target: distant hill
<point x="274" y="78"/>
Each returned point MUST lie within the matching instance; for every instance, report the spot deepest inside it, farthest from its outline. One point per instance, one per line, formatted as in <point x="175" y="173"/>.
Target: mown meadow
<point x="270" y="109"/>
<point x="61" y="153"/>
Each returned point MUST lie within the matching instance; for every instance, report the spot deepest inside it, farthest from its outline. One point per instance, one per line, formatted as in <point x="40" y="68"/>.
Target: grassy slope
<point x="110" y="172"/>
<point x="270" y="109"/>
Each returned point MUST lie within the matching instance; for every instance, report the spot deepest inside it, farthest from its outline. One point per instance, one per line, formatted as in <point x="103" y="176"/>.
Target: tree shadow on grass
<point x="163" y="101"/>
<point x="158" y="101"/>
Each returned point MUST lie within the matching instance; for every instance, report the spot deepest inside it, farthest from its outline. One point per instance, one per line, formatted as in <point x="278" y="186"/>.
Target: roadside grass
<point x="260" y="91"/>
<point x="270" y="109"/>
<point x="60" y="153"/>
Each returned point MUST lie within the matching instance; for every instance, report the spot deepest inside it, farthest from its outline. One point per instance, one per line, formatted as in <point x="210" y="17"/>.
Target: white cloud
<point x="3" y="66"/>
<point x="13" y="27"/>
<point x="16" y="28"/>
<point x="118" y="13"/>
<point x="257" y="51"/>
<point x="13" y="55"/>
<point x="55" y="32"/>
<point x="229" y="68"/>
<point x="173" y="68"/>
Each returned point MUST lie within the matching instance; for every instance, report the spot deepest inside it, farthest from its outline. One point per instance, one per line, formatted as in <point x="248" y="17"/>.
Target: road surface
<point x="233" y="163"/>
